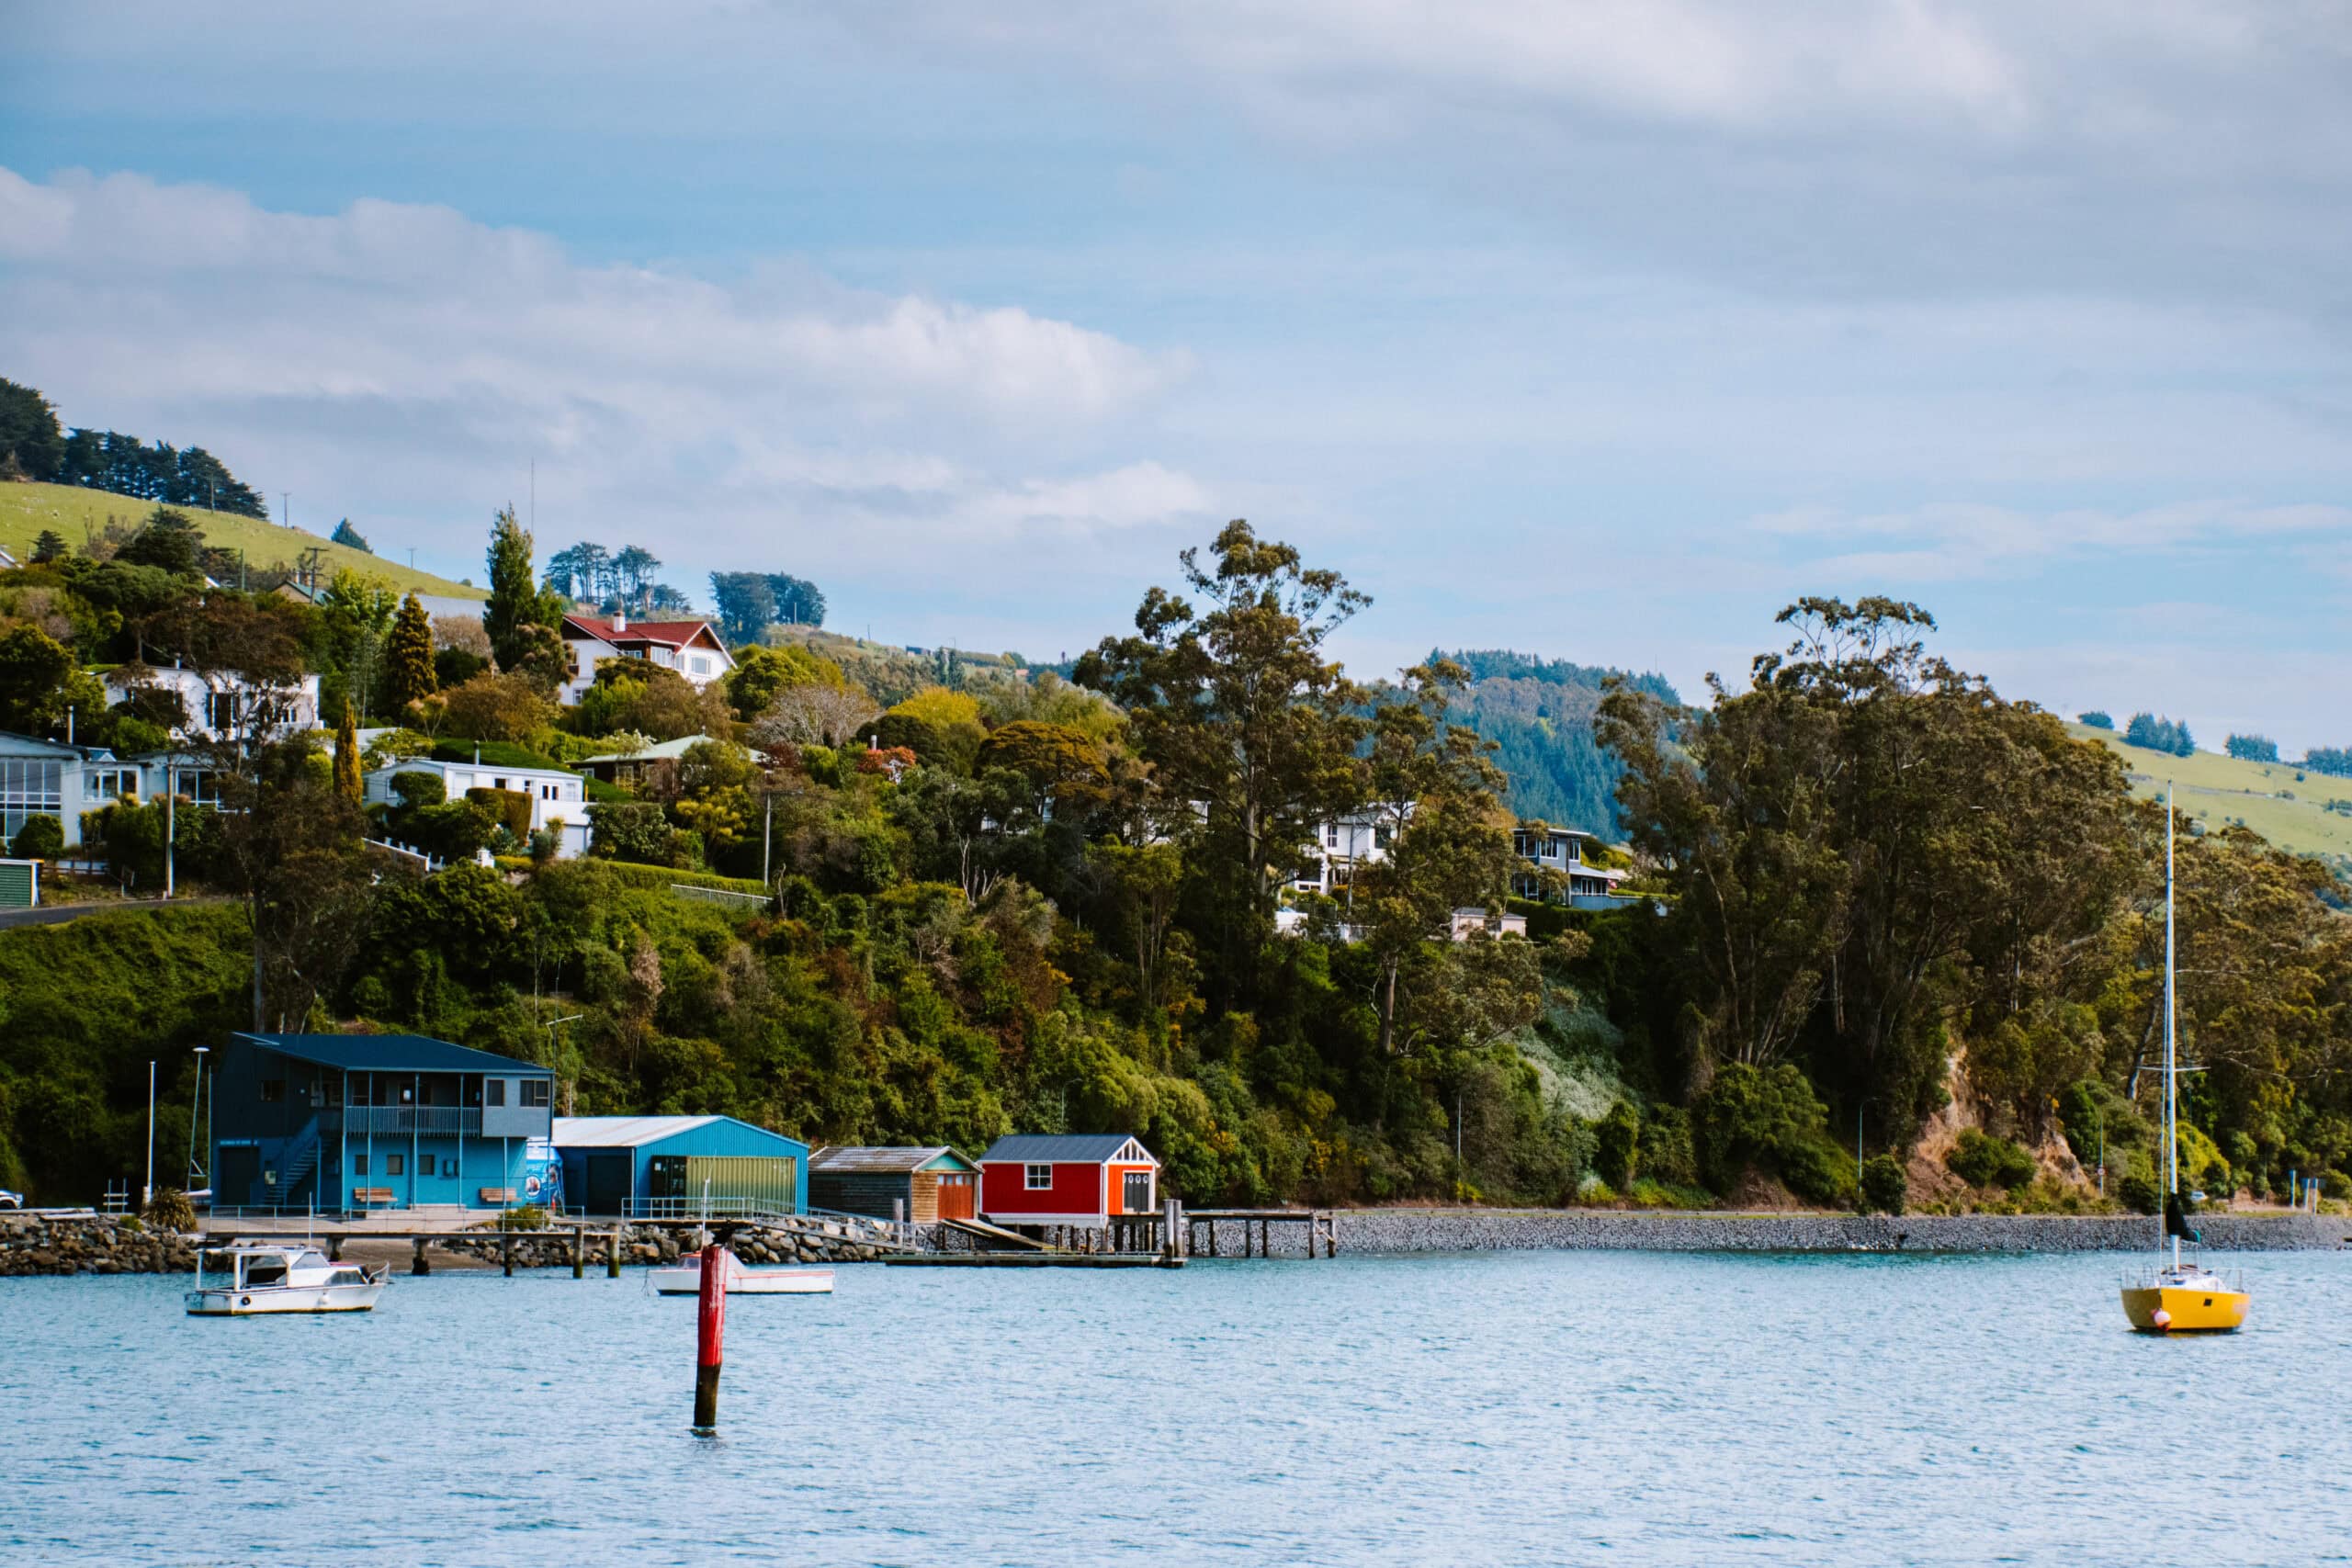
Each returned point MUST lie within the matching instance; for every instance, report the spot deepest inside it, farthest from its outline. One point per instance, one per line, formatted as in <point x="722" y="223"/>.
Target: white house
<point x="693" y="648"/>
<point x="559" y="802"/>
<point x="1567" y="850"/>
<point x="217" y="699"/>
<point x="1341" y="845"/>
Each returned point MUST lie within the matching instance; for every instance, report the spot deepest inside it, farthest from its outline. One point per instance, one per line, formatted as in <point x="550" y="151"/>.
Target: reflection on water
<point x="1539" y="1407"/>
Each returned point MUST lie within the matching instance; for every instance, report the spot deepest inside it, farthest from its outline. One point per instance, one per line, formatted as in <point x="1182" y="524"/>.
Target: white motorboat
<point x="683" y="1278"/>
<point x="265" y="1278"/>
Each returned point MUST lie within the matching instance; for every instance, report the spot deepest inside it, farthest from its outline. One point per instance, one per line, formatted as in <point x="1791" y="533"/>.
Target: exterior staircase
<point x="301" y="1159"/>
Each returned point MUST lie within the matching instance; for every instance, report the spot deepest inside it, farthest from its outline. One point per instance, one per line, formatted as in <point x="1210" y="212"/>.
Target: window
<point x="1037" y="1178"/>
<point x="28" y="789"/>
<point x="1380" y="837"/>
<point x="448" y="1166"/>
<point x="273" y="1091"/>
<point x="538" y="1093"/>
<point x="395" y="1164"/>
<point x="1331" y="835"/>
<point x="221" y="710"/>
<point x="494" y="1091"/>
<point x="358" y="1165"/>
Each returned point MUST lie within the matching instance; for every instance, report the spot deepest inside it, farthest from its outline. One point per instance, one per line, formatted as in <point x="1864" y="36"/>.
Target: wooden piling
<point x="613" y="1256"/>
<point x="710" y="1336"/>
<point x="580" y="1252"/>
<point x="417" y="1265"/>
<point x="506" y="1252"/>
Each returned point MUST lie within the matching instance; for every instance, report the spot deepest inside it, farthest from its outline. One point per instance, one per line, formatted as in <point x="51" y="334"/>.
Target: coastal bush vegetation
<point x="986" y="895"/>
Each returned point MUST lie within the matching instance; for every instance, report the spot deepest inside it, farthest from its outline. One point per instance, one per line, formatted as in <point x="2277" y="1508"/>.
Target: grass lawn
<point x="2217" y="790"/>
<point x="77" y="512"/>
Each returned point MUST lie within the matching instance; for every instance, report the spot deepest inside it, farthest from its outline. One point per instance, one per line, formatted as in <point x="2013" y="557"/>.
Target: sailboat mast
<point x="2172" y="1077"/>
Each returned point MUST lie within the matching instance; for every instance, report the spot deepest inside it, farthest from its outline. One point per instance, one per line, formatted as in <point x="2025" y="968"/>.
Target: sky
<point x="1596" y="330"/>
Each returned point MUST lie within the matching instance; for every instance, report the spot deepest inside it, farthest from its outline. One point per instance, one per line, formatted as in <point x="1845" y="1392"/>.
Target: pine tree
<point x="347" y="754"/>
<point x="410" y="656"/>
<point x="515" y="601"/>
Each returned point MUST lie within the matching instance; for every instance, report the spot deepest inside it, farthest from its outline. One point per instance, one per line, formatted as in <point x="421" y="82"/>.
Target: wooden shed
<point x="933" y="1184"/>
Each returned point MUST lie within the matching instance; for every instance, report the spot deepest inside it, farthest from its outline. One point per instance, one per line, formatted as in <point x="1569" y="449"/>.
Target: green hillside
<point x="77" y="512"/>
<point x="2269" y="797"/>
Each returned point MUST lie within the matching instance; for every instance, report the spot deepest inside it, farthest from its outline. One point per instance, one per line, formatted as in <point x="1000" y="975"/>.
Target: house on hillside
<point x="1568" y="851"/>
<point x="57" y="778"/>
<point x="922" y="1186"/>
<point x="1341" y="845"/>
<point x="221" y="702"/>
<point x="693" y="648"/>
<point x="558" y="803"/>
<point x="1083" y="1178"/>
<point x="353" y="1123"/>
<point x="648" y="765"/>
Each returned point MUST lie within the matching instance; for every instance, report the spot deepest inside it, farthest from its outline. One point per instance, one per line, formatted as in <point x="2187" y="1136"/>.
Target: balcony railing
<point x="428" y="1120"/>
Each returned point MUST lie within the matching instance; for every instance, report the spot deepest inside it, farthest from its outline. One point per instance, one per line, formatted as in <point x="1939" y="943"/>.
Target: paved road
<point x="50" y="914"/>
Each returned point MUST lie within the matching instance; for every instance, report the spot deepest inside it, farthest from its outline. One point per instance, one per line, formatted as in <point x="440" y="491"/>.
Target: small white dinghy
<point x="683" y="1278"/>
<point x="264" y="1279"/>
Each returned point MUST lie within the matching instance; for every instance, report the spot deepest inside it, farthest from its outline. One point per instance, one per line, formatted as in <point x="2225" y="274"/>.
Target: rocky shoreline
<point x="36" y="1245"/>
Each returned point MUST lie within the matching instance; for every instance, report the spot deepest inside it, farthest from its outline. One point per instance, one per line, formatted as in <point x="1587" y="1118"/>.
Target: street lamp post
<point x="552" y="1026"/>
<point x="147" y="1193"/>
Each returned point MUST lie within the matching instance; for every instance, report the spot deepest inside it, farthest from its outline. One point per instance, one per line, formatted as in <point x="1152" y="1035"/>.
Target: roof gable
<point x="1068" y="1148"/>
<point x="845" y="1159"/>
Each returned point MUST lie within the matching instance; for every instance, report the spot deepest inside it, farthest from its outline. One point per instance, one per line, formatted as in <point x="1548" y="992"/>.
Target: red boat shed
<point x="1083" y="1178"/>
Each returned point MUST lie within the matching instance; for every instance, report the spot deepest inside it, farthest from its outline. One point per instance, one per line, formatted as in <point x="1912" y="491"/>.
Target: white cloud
<point x="407" y="363"/>
<point x="1944" y="542"/>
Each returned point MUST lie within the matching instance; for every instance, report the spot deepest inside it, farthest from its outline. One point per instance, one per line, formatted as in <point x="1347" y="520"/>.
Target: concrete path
<point x="52" y="914"/>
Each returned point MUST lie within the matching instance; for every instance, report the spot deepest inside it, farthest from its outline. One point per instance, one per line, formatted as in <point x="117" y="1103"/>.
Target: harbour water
<point x="1508" y="1408"/>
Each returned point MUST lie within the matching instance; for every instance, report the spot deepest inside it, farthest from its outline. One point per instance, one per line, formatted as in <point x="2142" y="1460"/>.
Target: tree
<point x="633" y="569"/>
<point x="42" y="838"/>
<point x="745" y="604"/>
<point x="2158" y="734"/>
<point x="2098" y="718"/>
<point x="34" y="668"/>
<point x="291" y="850"/>
<point x="1243" y="718"/>
<point x="29" y="434"/>
<point x="1146" y="880"/>
<point x="761" y="673"/>
<point x="583" y="571"/>
<point x="1431" y="791"/>
<point x="49" y="547"/>
<point x="2252" y="748"/>
<point x="169" y="541"/>
<point x="344" y="534"/>
<point x="795" y="600"/>
<point x="515" y="603"/>
<point x="358" y="613"/>
<point x="409" y="672"/>
<point x="1064" y="768"/>
<point x="496" y="707"/>
<point x="813" y="715"/>
<point x="347" y="782"/>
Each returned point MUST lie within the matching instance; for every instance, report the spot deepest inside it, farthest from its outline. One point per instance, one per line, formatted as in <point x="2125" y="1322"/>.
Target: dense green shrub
<point x="1749" y="1117"/>
<point x="1617" y="1141"/>
<point x="1817" y="1170"/>
<point x="2138" y="1193"/>
<point x="1666" y="1156"/>
<point x="1886" y="1185"/>
<point x="1983" y="1160"/>
<point x="42" y="838"/>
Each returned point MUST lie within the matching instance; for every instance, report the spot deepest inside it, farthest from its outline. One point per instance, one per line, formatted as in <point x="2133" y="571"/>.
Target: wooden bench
<point x="497" y="1195"/>
<point x="363" y="1196"/>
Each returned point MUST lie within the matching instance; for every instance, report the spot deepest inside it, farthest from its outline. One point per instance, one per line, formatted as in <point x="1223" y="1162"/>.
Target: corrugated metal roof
<point x="845" y="1158"/>
<point x="393" y="1053"/>
<point x="1094" y="1147"/>
<point x="623" y="1132"/>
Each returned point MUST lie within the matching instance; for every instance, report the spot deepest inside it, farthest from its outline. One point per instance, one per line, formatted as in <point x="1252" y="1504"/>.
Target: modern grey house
<point x="57" y="778"/>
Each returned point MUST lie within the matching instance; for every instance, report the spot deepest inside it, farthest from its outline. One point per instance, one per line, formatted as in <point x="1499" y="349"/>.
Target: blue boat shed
<point x="352" y="1122"/>
<point x="660" y="1167"/>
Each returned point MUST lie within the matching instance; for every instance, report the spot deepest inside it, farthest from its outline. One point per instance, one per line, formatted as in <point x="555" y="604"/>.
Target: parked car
<point x="11" y="1200"/>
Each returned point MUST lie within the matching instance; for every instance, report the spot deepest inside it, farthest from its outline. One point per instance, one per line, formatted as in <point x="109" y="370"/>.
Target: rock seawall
<point x="1513" y="1230"/>
<point x="101" y="1243"/>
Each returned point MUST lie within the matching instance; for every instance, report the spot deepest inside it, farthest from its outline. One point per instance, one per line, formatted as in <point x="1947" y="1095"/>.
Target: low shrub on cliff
<point x="1885" y="1185"/>
<point x="1983" y="1160"/>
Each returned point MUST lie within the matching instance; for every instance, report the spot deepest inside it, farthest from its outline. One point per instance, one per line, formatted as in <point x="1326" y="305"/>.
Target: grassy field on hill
<point x="2217" y="790"/>
<point x="77" y="512"/>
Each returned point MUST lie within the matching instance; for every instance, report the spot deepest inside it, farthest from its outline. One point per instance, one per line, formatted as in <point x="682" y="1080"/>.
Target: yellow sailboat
<point x="2177" y="1297"/>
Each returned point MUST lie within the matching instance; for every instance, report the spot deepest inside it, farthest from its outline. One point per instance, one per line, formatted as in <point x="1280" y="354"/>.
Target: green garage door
<point x="19" y="882"/>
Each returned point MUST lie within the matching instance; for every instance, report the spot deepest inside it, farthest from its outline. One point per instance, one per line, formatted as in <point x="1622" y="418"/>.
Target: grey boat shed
<point x="925" y="1185"/>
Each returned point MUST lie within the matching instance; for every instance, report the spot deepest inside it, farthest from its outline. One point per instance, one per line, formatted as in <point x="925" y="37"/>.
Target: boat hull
<point x="2185" y="1310"/>
<point x="226" y="1302"/>
<point x="749" y="1282"/>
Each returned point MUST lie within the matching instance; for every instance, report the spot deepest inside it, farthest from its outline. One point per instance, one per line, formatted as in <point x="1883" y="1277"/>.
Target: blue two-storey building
<point x="350" y="1122"/>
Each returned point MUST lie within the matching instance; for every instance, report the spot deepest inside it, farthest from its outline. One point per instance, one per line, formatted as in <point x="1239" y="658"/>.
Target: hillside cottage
<point x="693" y="648"/>
<point x="558" y="804"/>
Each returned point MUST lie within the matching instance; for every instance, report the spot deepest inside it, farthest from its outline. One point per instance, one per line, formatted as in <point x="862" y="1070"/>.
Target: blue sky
<point x="1600" y="331"/>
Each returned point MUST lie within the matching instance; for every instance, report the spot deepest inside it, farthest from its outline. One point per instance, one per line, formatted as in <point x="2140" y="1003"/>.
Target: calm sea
<point x="1529" y="1408"/>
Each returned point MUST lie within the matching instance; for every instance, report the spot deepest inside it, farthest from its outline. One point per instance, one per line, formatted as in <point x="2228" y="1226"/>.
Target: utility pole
<point x="767" y="836"/>
<point x="171" y="794"/>
<point x="285" y="509"/>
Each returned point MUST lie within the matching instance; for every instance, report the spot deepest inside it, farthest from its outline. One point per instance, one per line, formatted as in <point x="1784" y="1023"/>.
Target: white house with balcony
<point x="1328" y="864"/>
<point x="693" y="648"/>
<point x="218" y="701"/>
<point x="559" y="801"/>
<point x="1568" y="851"/>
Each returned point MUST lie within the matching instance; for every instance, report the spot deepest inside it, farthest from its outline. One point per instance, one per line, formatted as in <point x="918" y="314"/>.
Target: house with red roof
<point x="693" y="648"/>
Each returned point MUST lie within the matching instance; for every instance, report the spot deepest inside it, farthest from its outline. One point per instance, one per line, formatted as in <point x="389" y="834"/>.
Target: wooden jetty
<point x="1322" y="1229"/>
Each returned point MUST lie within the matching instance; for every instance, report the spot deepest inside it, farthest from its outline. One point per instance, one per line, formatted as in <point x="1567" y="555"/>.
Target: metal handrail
<point x="436" y="1121"/>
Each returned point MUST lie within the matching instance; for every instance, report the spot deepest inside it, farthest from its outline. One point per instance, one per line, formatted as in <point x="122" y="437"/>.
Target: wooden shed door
<point x="956" y="1194"/>
<point x="1136" y="1197"/>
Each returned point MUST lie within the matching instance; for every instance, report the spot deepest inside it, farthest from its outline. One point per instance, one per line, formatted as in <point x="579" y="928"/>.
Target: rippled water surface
<point x="1537" y="1408"/>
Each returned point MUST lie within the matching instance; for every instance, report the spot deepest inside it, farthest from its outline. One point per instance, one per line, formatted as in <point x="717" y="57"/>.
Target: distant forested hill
<point x="1539" y="713"/>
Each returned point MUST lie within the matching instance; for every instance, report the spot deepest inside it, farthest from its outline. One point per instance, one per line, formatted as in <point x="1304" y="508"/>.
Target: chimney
<point x="620" y="620"/>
